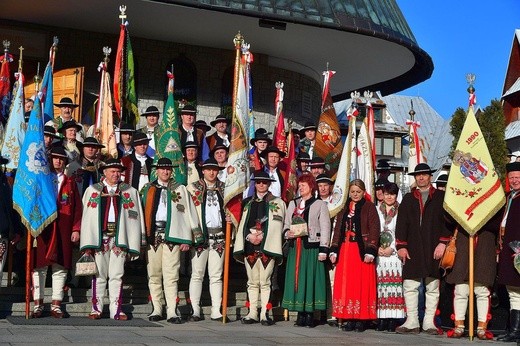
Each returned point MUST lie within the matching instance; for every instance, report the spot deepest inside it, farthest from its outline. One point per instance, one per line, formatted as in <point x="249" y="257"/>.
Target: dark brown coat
<point x="421" y="237"/>
<point x="484" y="255"/>
<point x="507" y="274"/>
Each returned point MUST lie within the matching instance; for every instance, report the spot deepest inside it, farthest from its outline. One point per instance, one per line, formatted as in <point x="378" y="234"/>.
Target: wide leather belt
<point x="214" y="230"/>
<point x="160" y="226"/>
<point x="111" y="229"/>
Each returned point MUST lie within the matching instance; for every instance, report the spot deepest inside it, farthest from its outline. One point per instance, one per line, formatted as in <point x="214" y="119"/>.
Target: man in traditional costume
<point x="308" y="133"/>
<point x="208" y="197"/>
<point x="220" y="154"/>
<point x="171" y="226"/>
<point x="421" y="237"/>
<point x="69" y="131"/>
<point x="138" y="165"/>
<point x="191" y="157"/>
<point x="86" y="172"/>
<point x="54" y="244"/>
<point x="187" y="130"/>
<point x="258" y="243"/>
<point x="152" y="121"/>
<point x="259" y="143"/>
<point x="124" y="147"/>
<point x="220" y="136"/>
<point x="112" y="227"/>
<point x="510" y="231"/>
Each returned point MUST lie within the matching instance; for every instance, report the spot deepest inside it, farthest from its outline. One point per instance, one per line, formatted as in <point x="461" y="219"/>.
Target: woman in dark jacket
<point x="356" y="234"/>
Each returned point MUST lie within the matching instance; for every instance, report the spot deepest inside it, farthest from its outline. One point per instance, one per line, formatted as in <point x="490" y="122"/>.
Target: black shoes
<point x="174" y="320"/>
<point x="360" y="326"/>
<point x="155" y="318"/>
<point x="248" y="320"/>
<point x="195" y="318"/>
<point x="300" y="320"/>
<point x="348" y="326"/>
<point x="221" y="319"/>
<point x="309" y="320"/>
<point x="392" y="324"/>
<point x="267" y="322"/>
<point x="382" y="325"/>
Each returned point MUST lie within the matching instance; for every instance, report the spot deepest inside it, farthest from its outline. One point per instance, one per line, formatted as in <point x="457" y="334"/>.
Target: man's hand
<point x="74" y="237"/>
<point x="333" y="258"/>
<point x="439" y="251"/>
<point x="385" y="252"/>
<point x="256" y="239"/>
<point x="184" y="247"/>
<point x="88" y="252"/>
<point x="403" y="255"/>
<point x="322" y="257"/>
<point x="289" y="234"/>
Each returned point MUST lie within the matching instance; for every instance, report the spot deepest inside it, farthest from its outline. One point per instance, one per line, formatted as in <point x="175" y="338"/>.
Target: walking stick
<point x="28" y="260"/>
<point x="471" y="286"/>
<point x="226" y="272"/>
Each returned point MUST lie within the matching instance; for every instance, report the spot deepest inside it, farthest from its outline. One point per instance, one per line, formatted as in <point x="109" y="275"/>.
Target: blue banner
<point x="47" y="94"/>
<point x="34" y="195"/>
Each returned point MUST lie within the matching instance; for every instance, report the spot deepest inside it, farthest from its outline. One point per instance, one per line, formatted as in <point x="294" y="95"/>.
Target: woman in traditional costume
<point x="390" y="299"/>
<point x="307" y="231"/>
<point x="356" y="235"/>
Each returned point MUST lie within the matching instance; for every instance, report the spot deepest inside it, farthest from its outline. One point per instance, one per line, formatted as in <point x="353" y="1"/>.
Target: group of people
<point x="367" y="263"/>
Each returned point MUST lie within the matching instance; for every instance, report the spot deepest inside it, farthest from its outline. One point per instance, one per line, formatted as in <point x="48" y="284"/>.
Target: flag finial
<point x="355" y="95"/>
<point x="7" y="44"/>
<point x="238" y="40"/>
<point x="122" y="15"/>
<point x="20" y="61"/>
<point x="106" y="52"/>
<point x="470" y="79"/>
<point x="411" y="112"/>
<point x="37" y="79"/>
<point x="368" y="94"/>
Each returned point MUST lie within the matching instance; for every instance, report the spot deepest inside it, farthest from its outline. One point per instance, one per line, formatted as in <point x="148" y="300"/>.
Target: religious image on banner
<point x="474" y="192"/>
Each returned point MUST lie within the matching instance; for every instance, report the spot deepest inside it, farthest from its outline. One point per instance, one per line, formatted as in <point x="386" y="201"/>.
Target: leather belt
<point x="111" y="229"/>
<point x="214" y="230"/>
<point x="160" y="226"/>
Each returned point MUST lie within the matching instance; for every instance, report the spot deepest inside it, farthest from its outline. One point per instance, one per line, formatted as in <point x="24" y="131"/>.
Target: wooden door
<point x="66" y="83"/>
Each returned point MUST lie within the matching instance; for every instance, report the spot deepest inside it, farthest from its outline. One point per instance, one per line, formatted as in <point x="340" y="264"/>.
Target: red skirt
<point x="355" y="286"/>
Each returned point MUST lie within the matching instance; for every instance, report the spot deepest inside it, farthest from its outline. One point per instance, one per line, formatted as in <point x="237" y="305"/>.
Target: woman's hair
<point x="391" y="189"/>
<point x="359" y="183"/>
<point x="309" y="180"/>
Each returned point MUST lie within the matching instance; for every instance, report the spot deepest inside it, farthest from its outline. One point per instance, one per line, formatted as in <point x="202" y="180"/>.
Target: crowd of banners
<point x="104" y="125"/>
<point x="473" y="192"/>
<point x="34" y="191"/>
<point x="328" y="136"/>
<point x="15" y="128"/>
<point x="47" y="89"/>
<point x="125" y="94"/>
<point x="167" y="138"/>
<point x="238" y="162"/>
<point x="5" y="86"/>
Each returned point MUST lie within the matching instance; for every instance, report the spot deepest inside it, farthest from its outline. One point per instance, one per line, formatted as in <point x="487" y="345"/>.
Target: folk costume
<point x="170" y="220"/>
<point x="54" y="244"/>
<point x="216" y="137"/>
<point x="7" y="226"/>
<point x="209" y="249"/>
<point x="356" y="235"/>
<point x="507" y="274"/>
<point x="112" y="226"/>
<point x="390" y="298"/>
<point x="265" y="215"/>
<point x="138" y="169"/>
<point x="305" y="278"/>
<point x="420" y="228"/>
<point x="484" y="277"/>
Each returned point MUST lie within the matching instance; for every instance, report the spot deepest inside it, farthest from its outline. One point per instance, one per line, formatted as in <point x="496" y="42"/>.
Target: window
<point x="185" y="87"/>
<point x="384" y="146"/>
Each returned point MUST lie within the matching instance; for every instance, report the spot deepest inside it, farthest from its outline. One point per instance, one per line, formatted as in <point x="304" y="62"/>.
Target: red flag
<point x="280" y="141"/>
<point x="290" y="170"/>
<point x="5" y="86"/>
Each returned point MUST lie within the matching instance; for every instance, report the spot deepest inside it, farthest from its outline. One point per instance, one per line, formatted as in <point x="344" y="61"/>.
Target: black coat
<point x="507" y="274"/>
<point x="421" y="238"/>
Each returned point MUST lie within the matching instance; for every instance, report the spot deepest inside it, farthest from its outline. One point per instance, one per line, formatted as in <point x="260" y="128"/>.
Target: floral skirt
<point x="390" y="299"/>
<point x="354" y="295"/>
<point x="308" y="293"/>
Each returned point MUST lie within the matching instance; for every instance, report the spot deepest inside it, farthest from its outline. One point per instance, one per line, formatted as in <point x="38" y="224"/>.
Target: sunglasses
<point x="261" y="182"/>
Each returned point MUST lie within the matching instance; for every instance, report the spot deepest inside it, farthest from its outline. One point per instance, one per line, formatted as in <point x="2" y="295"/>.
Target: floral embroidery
<point x="93" y="200"/>
<point x="273" y="207"/>
<point x="197" y="198"/>
<point x="127" y="201"/>
<point x="176" y="197"/>
<point x="64" y="198"/>
<point x="465" y="193"/>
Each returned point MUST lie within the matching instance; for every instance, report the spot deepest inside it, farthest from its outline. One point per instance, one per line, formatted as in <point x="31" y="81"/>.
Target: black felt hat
<point x="323" y="178"/>
<point x="70" y="124"/>
<point x="211" y="163"/>
<point x="189" y="109"/>
<point x="140" y="138"/>
<point x="272" y="149"/>
<point x="220" y="118"/>
<point x="112" y="163"/>
<point x="261" y="176"/>
<point x="201" y="124"/>
<point x="317" y="162"/>
<point x="151" y="110"/>
<point x="422" y="168"/>
<point x="59" y="151"/>
<point x="91" y="142"/>
<point x="164" y="162"/>
<point x="66" y="102"/>
<point x="513" y="167"/>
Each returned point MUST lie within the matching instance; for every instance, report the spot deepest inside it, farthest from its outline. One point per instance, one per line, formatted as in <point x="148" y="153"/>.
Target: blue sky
<point x="462" y="37"/>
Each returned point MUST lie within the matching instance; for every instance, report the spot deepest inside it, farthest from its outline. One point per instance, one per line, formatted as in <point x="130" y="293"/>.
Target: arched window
<point x="185" y="73"/>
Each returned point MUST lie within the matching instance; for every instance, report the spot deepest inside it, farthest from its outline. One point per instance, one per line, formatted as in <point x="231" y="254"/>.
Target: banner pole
<point x="28" y="272"/>
<point x="226" y="273"/>
<point x="471" y="287"/>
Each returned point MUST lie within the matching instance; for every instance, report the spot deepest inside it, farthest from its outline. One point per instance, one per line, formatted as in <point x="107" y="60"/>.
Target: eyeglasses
<point x="261" y="182"/>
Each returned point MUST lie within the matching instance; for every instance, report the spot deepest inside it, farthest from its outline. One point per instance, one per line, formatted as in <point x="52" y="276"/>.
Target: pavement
<point x="215" y="333"/>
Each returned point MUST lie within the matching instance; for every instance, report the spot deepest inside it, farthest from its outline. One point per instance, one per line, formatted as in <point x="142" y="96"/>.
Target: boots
<point x="38" y="308"/>
<point x="300" y="319"/>
<point x="457" y="331"/>
<point x="482" y="332"/>
<point x="411" y="297"/>
<point x="431" y="302"/>
<point x="56" y="309"/>
<point x="514" y="327"/>
<point x="309" y="320"/>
